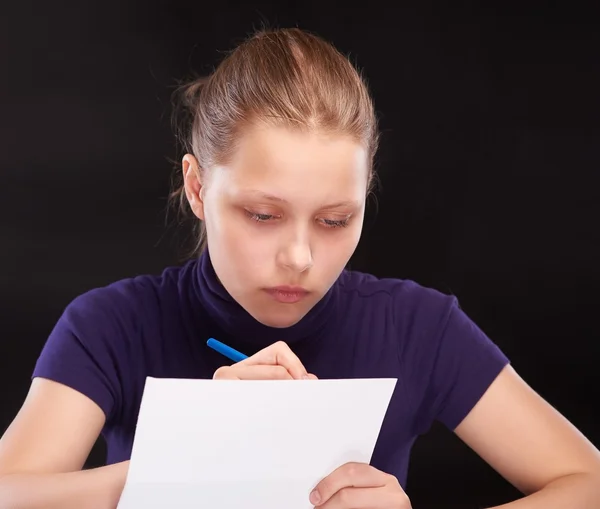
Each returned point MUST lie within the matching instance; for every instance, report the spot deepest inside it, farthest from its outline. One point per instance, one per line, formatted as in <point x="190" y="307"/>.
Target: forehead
<point x="282" y="161"/>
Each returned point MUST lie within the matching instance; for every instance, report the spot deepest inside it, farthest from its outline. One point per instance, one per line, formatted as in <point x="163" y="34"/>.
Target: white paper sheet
<point x="224" y="444"/>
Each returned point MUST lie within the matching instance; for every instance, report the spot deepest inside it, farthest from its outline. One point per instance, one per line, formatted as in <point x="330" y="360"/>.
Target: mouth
<point x="287" y="294"/>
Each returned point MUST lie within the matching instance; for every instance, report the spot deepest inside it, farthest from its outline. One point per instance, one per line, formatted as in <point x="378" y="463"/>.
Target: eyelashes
<point x="340" y="223"/>
<point x="261" y="218"/>
<point x="328" y="223"/>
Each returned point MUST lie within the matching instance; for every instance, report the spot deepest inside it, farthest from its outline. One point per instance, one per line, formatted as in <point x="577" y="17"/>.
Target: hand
<point x="276" y="362"/>
<point x="358" y="486"/>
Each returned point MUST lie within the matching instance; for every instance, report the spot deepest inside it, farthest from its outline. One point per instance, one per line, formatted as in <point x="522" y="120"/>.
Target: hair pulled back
<point x="284" y="77"/>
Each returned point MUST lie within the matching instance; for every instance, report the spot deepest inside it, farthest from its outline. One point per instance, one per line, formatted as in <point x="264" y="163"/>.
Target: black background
<point x="488" y="167"/>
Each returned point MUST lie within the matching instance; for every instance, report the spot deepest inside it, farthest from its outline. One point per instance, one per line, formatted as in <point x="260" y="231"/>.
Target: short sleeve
<point x="452" y="364"/>
<point x="84" y="349"/>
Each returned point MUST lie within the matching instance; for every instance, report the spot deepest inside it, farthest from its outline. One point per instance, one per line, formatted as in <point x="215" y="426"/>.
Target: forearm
<point x="577" y="491"/>
<point x="98" y="488"/>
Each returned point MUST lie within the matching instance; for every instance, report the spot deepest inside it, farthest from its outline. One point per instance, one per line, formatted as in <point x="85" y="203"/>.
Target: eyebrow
<point x="270" y="197"/>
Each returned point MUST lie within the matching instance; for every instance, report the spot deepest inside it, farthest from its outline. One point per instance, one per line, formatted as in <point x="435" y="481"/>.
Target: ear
<point x="193" y="185"/>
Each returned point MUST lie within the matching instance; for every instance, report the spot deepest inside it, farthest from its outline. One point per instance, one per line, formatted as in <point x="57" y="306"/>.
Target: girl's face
<point x="282" y="219"/>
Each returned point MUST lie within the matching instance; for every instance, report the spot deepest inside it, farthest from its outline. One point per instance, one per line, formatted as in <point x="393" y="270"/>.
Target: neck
<point x="241" y="329"/>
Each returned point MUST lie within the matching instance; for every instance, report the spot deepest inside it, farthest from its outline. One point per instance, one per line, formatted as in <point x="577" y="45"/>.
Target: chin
<point x="279" y="320"/>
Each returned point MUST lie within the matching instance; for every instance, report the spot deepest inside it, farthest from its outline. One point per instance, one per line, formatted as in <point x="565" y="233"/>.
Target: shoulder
<point x="417" y="320"/>
<point x="137" y="296"/>
<point x="446" y="361"/>
<point x="96" y="344"/>
<point x="404" y="302"/>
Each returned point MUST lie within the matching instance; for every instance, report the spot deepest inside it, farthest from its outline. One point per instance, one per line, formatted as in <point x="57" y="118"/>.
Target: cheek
<point x="333" y="248"/>
<point x="348" y="243"/>
<point x="222" y="226"/>
<point x="340" y="248"/>
<point x="242" y="243"/>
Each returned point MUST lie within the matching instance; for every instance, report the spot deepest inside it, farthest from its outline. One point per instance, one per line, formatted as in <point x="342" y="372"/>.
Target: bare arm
<point x="533" y="447"/>
<point x="44" y="449"/>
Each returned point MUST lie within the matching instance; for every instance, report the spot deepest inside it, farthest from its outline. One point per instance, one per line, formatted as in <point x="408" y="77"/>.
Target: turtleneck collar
<point x="245" y="331"/>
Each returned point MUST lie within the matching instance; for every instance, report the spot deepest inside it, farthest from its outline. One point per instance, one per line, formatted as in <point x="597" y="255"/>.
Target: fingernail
<point x="305" y="377"/>
<point x="315" y="497"/>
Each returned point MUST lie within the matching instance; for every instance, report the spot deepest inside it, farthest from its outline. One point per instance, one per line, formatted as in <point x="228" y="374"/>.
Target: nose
<point x="296" y="255"/>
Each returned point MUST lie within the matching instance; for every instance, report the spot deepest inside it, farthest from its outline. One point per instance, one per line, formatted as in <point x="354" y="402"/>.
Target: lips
<point x="287" y="294"/>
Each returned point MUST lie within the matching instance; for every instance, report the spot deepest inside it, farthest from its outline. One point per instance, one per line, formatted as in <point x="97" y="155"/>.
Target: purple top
<point x="110" y="339"/>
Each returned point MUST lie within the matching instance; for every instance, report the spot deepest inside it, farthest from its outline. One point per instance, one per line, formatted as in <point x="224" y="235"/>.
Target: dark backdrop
<point x="488" y="169"/>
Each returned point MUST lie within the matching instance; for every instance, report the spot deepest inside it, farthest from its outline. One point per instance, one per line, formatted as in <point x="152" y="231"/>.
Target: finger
<point x="238" y="372"/>
<point x="312" y="377"/>
<point x="368" y="498"/>
<point x="279" y="354"/>
<point x="349" y="475"/>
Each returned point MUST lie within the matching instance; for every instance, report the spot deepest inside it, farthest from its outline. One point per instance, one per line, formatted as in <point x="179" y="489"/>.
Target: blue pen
<point x="225" y="350"/>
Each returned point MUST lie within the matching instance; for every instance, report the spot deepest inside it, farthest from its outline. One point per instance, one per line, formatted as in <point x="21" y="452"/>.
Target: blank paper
<point x="256" y="444"/>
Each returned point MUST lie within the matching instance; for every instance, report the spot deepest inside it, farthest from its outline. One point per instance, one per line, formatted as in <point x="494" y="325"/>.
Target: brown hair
<point x="279" y="77"/>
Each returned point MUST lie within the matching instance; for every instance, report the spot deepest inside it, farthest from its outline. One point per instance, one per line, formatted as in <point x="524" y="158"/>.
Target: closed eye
<point x="328" y="223"/>
<point x="261" y="218"/>
<point x="336" y="223"/>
